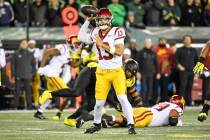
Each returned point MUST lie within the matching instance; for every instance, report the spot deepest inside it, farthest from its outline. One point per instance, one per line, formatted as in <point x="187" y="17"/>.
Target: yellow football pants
<point x="105" y="78"/>
<point x="142" y="116"/>
<point x="55" y="83"/>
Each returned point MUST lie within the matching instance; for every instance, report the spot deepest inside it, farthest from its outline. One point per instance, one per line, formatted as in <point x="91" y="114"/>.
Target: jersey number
<point x="107" y="55"/>
<point x="161" y="106"/>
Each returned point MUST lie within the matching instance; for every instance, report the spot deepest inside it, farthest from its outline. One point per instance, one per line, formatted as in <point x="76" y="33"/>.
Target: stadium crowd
<point x="135" y="13"/>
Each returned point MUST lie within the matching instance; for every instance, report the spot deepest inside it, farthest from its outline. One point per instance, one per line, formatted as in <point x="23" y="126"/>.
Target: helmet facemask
<point x="104" y="22"/>
<point x="104" y="18"/>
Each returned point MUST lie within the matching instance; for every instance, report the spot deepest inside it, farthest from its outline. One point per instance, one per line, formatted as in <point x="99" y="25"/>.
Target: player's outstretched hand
<point x="199" y="67"/>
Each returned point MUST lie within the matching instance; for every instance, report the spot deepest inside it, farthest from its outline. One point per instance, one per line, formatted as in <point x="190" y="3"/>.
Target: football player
<point x="60" y="55"/>
<point x="109" y="45"/>
<point x="161" y="114"/>
<point x="202" y="64"/>
<point x="86" y="89"/>
<point x="87" y="77"/>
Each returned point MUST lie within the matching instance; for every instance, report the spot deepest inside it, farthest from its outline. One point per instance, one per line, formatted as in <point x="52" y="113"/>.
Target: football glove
<point x="199" y="67"/>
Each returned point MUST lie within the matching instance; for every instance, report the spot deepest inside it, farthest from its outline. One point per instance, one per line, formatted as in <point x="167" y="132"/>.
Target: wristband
<point x="112" y="50"/>
<point x="201" y="59"/>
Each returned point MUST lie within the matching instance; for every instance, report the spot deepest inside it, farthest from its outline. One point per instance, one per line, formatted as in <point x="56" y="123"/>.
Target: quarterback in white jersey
<point x="162" y="114"/>
<point x="109" y="45"/>
<point x="115" y="36"/>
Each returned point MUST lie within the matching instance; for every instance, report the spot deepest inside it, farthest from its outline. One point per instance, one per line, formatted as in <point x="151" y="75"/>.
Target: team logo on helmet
<point x="104" y="18"/>
<point x="179" y="100"/>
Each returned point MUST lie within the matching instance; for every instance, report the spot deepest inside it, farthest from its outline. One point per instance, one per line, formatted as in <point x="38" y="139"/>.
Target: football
<point x="89" y="10"/>
<point x="174" y="113"/>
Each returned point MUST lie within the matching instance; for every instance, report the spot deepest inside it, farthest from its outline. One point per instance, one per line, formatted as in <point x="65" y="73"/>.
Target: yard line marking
<point x="37" y="131"/>
<point x="189" y="135"/>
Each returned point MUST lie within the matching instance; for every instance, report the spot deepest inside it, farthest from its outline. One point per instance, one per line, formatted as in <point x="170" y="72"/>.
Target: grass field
<point x="20" y="125"/>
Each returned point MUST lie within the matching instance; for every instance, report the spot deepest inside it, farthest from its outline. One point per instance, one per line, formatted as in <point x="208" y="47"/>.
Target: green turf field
<point x="22" y="126"/>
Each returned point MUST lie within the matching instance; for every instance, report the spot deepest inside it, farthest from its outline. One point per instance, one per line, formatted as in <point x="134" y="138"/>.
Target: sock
<point x="43" y="107"/>
<point x="126" y="108"/>
<point x="113" y="118"/>
<point x="205" y="108"/>
<point x="98" y="111"/>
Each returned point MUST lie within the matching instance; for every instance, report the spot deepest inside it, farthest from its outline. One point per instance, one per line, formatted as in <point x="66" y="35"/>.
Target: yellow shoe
<point x="70" y="122"/>
<point x="46" y="95"/>
<point x="56" y="118"/>
<point x="202" y="116"/>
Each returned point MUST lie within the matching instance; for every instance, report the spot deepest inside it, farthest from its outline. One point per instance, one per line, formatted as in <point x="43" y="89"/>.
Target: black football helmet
<point x="131" y="65"/>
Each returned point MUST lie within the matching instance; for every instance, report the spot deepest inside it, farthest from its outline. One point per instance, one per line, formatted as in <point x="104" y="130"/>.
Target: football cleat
<point x="93" y="129"/>
<point x="40" y="116"/>
<point x="70" y="122"/>
<point x="57" y="117"/>
<point x="202" y="116"/>
<point x="80" y="123"/>
<point x="46" y="95"/>
<point x="131" y="129"/>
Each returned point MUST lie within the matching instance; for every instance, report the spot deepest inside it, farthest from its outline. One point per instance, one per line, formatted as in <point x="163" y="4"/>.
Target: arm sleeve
<point x="84" y="34"/>
<point x="119" y="36"/>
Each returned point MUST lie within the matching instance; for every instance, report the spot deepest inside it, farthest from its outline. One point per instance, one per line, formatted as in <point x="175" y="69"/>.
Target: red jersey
<point x="164" y="58"/>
